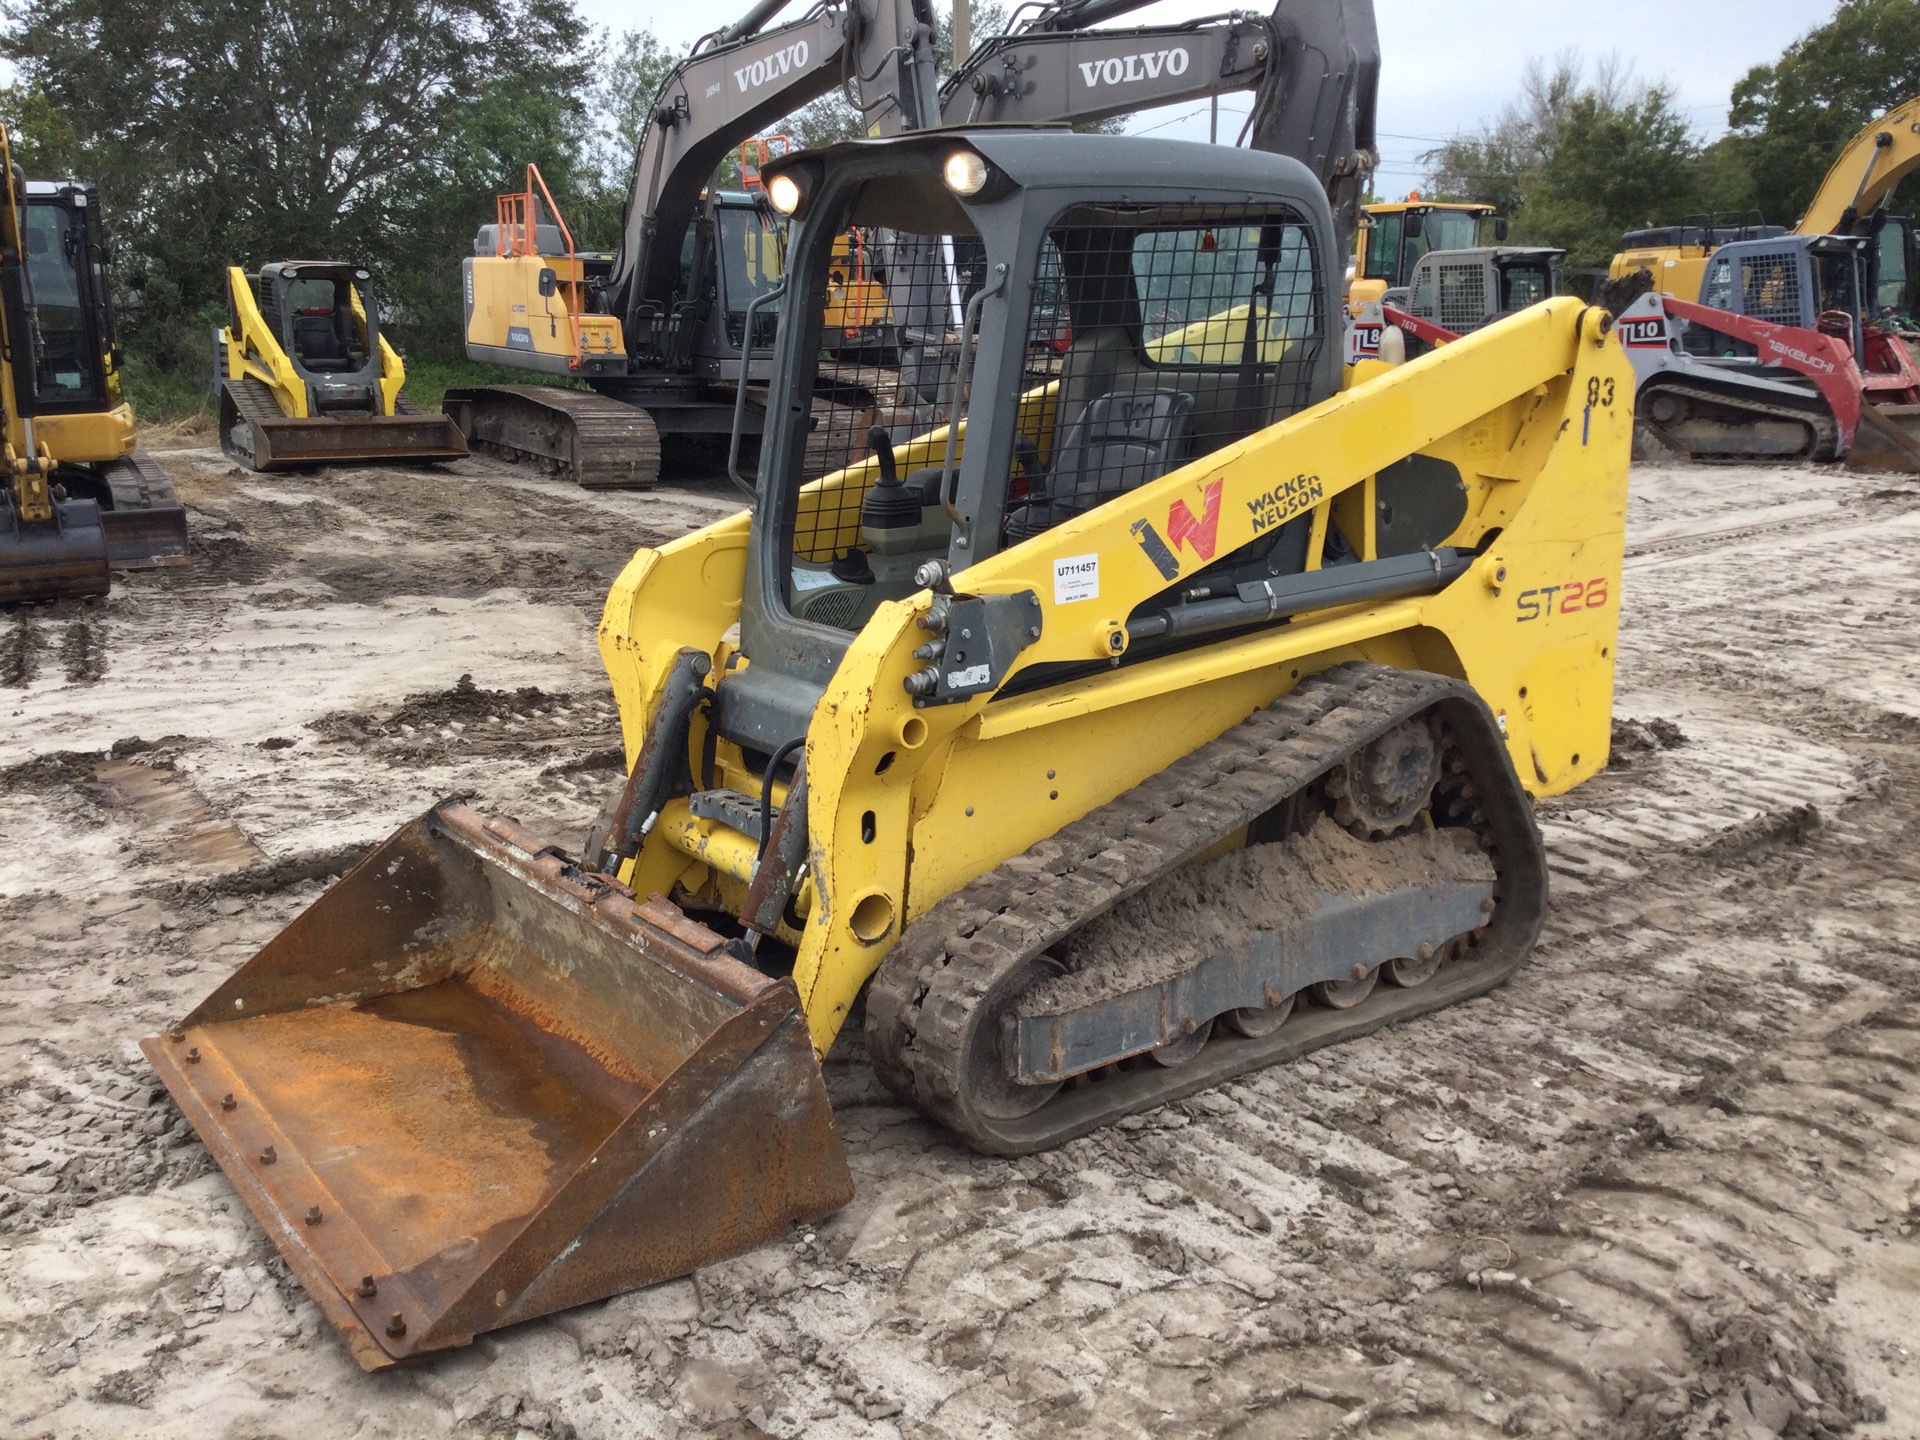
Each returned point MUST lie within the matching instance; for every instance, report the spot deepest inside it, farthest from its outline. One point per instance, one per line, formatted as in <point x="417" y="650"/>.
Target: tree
<point x="1791" y="117"/>
<point x="240" y="131"/>
<point x="1576" y="160"/>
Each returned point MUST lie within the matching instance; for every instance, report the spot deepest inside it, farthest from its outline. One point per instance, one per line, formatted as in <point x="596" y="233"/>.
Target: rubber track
<point x="1824" y="430"/>
<point x="924" y="1001"/>
<point x="147" y="526"/>
<point x="613" y="446"/>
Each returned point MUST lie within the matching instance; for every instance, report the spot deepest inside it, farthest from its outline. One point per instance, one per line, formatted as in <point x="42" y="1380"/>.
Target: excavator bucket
<point x="52" y="559"/>
<point x="473" y="1084"/>
<point x="287" y="443"/>
<point x="1888" y="439"/>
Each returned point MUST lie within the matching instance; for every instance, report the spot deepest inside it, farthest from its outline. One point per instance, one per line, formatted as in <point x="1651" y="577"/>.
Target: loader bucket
<point x="1888" y="439"/>
<point x="287" y="443"/>
<point x="52" y="559"/>
<point x="473" y="1084"/>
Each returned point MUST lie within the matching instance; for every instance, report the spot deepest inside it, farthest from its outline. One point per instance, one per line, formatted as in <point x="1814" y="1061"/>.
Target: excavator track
<point x="1815" y="421"/>
<point x="146" y="528"/>
<point x="962" y="969"/>
<point x="597" y="442"/>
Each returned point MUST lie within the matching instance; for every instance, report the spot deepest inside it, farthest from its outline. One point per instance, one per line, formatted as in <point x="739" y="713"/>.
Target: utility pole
<point x="1213" y="120"/>
<point x="962" y="31"/>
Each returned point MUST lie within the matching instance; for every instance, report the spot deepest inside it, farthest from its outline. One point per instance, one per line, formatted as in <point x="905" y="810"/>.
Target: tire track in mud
<point x="20" y="652"/>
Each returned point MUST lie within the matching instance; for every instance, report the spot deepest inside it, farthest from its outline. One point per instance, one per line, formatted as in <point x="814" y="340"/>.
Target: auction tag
<point x="1076" y="577"/>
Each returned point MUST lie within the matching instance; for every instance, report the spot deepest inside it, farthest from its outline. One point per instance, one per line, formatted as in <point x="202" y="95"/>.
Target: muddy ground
<point x="1662" y="1184"/>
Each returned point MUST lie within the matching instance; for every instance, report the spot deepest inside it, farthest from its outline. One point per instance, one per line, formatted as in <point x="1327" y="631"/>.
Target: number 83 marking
<point x="1599" y="391"/>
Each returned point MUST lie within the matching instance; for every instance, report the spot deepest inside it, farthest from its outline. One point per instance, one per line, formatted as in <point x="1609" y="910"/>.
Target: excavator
<point x="1171" y="718"/>
<point x="1762" y="386"/>
<point x="1851" y="201"/>
<point x="81" y="500"/>
<point x="657" y="331"/>
<point x="304" y="377"/>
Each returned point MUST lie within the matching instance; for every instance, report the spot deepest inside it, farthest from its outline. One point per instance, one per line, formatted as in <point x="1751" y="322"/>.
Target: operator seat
<point x="318" y="343"/>
<point x="1120" y="441"/>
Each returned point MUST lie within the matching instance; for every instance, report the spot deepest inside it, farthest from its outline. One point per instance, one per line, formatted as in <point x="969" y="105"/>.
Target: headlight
<point x="783" y="193"/>
<point x="965" y="173"/>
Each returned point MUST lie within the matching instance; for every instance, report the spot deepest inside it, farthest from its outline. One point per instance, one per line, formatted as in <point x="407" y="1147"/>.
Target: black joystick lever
<point x="881" y="440"/>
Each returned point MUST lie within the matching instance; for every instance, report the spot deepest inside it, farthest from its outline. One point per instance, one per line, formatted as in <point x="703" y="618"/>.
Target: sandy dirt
<point x="1662" y="1184"/>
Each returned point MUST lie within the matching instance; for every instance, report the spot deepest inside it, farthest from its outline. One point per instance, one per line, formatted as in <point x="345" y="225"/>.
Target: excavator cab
<point x="82" y="500"/>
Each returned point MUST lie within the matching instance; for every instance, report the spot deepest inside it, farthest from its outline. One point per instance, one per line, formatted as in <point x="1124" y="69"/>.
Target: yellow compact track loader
<point x="80" y="500"/>
<point x="1172" y="718"/>
<point x="306" y="378"/>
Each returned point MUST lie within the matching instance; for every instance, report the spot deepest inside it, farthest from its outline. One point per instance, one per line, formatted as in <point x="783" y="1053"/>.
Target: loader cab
<point x="1393" y="236"/>
<point x="324" y="315"/>
<point x="72" y="323"/>
<point x="1199" y="311"/>
<point x="1463" y="290"/>
<point x="1809" y="282"/>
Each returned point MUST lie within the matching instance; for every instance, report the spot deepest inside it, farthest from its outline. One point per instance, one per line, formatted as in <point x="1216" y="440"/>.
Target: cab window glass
<point x="69" y="365"/>
<point x="1383" y="248"/>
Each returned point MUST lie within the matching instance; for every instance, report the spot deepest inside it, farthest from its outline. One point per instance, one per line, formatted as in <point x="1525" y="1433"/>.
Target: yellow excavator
<point x="1134" y="730"/>
<point x="1851" y="200"/>
<point x="304" y="376"/>
<point x="81" y="500"/>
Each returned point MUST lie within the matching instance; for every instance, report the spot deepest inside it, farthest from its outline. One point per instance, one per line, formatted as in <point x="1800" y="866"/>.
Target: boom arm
<point x="1315" y="67"/>
<point x="735" y="83"/>
<point x="1039" y="78"/>
<point x="1865" y="172"/>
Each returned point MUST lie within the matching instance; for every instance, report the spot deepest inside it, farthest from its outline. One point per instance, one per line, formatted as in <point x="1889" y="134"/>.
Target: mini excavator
<point x="1167" y="719"/>
<point x="81" y="500"/>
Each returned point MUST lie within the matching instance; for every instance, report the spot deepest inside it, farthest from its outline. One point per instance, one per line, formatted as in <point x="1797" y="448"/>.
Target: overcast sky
<point x="1446" y="64"/>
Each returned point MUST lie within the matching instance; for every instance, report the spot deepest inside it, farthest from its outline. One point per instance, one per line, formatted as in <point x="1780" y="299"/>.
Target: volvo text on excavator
<point x="1133" y="730"/>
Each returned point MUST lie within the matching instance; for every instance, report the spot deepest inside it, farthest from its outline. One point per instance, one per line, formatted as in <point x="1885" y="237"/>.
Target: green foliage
<point x="161" y="393"/>
<point x="1790" y="118"/>
<point x="429" y="377"/>
<point x="1611" y="167"/>
<point x="241" y="131"/>
<point x="1580" y="158"/>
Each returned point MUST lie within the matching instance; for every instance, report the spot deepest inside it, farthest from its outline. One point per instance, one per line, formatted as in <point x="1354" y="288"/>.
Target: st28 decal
<point x="1568" y="598"/>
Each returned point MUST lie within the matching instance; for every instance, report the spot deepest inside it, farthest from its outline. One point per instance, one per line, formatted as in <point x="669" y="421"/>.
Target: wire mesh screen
<point x="924" y="283"/>
<point x="1452" y="293"/>
<point x="1770" y="288"/>
<point x="1180" y="330"/>
<point x="1147" y="336"/>
<point x="1524" y="283"/>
